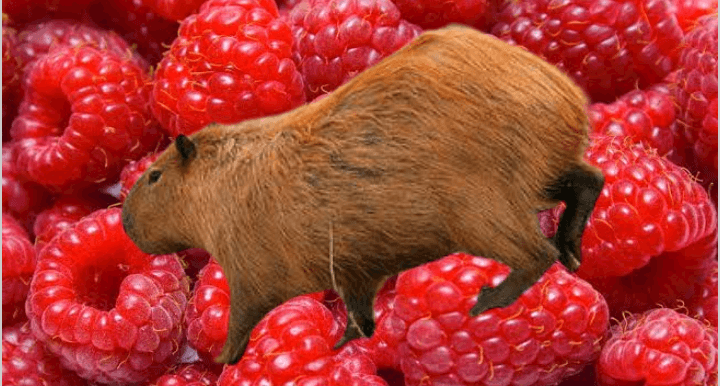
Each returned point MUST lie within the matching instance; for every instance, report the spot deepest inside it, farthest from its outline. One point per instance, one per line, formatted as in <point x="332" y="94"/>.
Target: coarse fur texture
<point x="453" y="143"/>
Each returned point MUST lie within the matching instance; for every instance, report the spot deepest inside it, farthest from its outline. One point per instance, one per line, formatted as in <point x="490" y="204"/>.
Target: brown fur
<point x="451" y="144"/>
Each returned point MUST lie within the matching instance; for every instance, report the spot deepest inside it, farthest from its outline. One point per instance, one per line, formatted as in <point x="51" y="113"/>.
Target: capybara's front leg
<point x="579" y="189"/>
<point x="245" y="313"/>
<point x="358" y="298"/>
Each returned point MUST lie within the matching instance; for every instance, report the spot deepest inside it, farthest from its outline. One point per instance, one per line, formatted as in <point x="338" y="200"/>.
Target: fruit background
<point x="94" y="90"/>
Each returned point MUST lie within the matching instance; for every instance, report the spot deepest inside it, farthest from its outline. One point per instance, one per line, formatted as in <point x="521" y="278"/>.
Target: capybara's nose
<point x="127" y="221"/>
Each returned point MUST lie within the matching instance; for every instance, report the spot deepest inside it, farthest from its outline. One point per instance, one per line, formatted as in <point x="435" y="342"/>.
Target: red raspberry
<point x="704" y="305"/>
<point x="284" y="6"/>
<point x="648" y="207"/>
<point x="659" y="347"/>
<point x="208" y="311"/>
<point x="435" y="14"/>
<point x="607" y="47"/>
<point x="646" y="115"/>
<point x="65" y="212"/>
<point x="18" y="265"/>
<point x="138" y="24"/>
<point x="11" y="72"/>
<point x="110" y="312"/>
<point x="689" y="11"/>
<point x="293" y="345"/>
<point x="26" y="361"/>
<point x="38" y="39"/>
<point x="552" y="331"/>
<point x="174" y="9"/>
<point x="230" y="62"/>
<point x="666" y="280"/>
<point x="337" y="39"/>
<point x="21" y="198"/>
<point x="133" y="171"/>
<point x="695" y="88"/>
<point x="84" y="115"/>
<point x="651" y="232"/>
<point x="383" y="355"/>
<point x="188" y="375"/>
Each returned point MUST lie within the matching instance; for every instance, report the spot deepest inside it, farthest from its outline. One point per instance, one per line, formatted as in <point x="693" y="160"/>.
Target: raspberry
<point x="174" y="9"/>
<point x="230" y="62"/>
<point x="188" y="375"/>
<point x="294" y="343"/>
<point x="11" y="71"/>
<point x="337" y="39"/>
<point x="646" y="115"/>
<point x="432" y="14"/>
<point x="37" y="40"/>
<point x="651" y="232"/>
<point x="659" y="347"/>
<point x="84" y="115"/>
<point x="208" y="311"/>
<point x="66" y="211"/>
<point x="383" y="355"/>
<point x="648" y="207"/>
<point x="284" y="6"/>
<point x="133" y="171"/>
<point x="607" y="47"/>
<point x="705" y="303"/>
<point x="21" y="198"/>
<point x="552" y="331"/>
<point x="689" y="11"/>
<point x="667" y="280"/>
<point x="138" y="25"/>
<point x="695" y="88"/>
<point x="18" y="265"/>
<point x="110" y="312"/>
<point x="26" y="361"/>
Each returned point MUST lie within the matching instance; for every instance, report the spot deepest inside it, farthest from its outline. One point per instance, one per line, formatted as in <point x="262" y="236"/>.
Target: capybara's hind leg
<point x="358" y="297"/>
<point x="514" y="285"/>
<point x="579" y="189"/>
<point x="511" y="235"/>
<point x="528" y="262"/>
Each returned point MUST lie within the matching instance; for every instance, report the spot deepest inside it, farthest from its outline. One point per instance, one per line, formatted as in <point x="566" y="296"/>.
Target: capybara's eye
<point x="154" y="176"/>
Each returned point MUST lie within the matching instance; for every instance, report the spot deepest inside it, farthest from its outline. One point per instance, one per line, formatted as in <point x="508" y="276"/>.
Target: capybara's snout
<point x="128" y="222"/>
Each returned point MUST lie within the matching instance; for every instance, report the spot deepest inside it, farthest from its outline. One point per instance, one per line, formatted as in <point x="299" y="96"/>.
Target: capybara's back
<point x="458" y="139"/>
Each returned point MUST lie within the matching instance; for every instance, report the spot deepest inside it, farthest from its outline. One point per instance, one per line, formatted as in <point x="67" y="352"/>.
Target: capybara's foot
<point x="233" y="351"/>
<point x="569" y="254"/>
<point x="507" y="292"/>
<point x="579" y="189"/>
<point x="492" y="297"/>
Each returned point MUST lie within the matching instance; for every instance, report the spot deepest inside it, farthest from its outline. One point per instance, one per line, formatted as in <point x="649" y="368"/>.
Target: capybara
<point x="453" y="143"/>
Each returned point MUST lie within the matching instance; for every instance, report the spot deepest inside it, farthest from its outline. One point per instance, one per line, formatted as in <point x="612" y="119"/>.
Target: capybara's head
<point x="158" y="213"/>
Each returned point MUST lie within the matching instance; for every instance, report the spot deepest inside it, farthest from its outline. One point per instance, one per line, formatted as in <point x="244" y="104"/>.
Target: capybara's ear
<point x="185" y="146"/>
